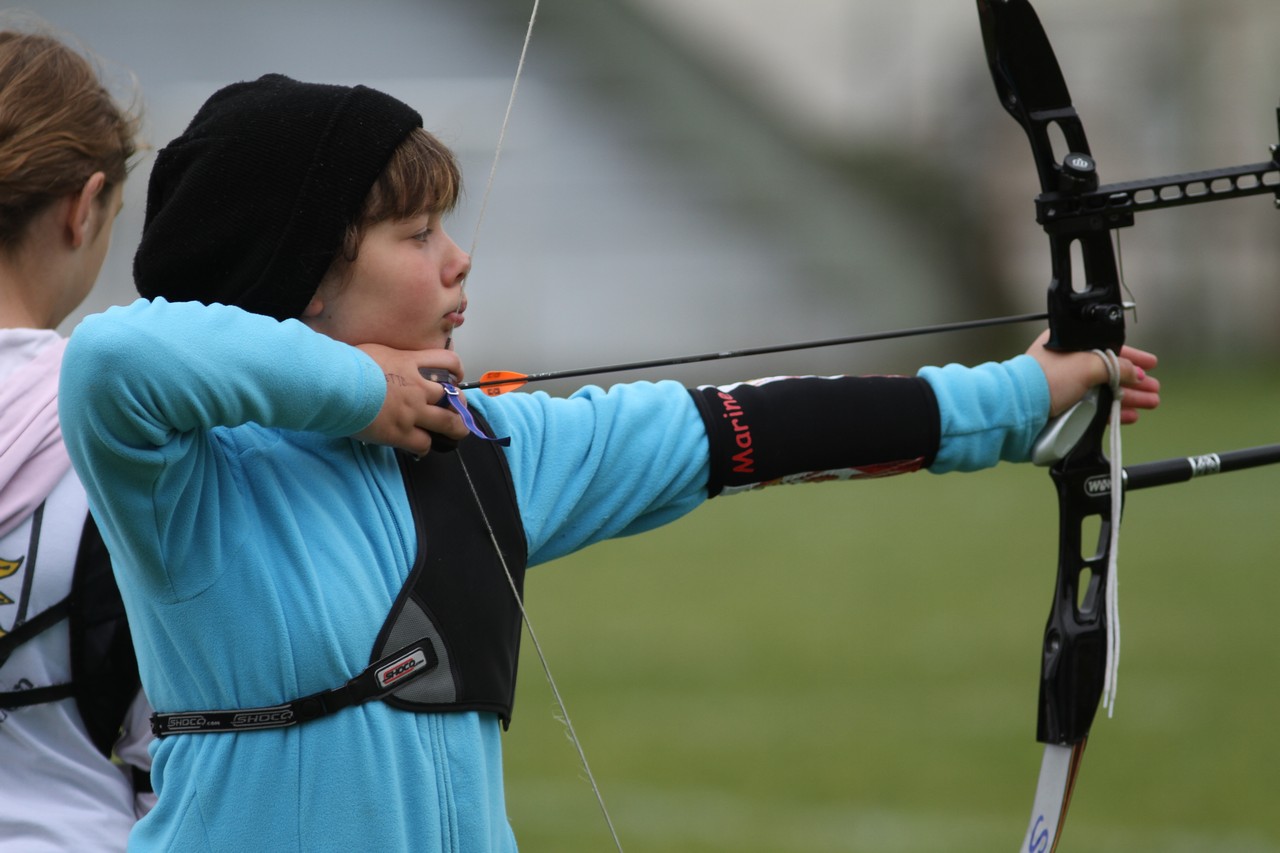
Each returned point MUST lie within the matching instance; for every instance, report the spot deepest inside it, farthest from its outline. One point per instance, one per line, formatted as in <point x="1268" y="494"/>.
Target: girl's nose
<point x="459" y="264"/>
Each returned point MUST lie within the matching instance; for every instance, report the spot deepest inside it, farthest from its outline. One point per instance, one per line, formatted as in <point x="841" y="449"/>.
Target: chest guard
<point x="458" y="593"/>
<point x="451" y="641"/>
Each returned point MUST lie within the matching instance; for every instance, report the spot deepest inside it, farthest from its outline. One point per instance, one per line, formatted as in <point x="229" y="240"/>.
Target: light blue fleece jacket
<point x="258" y="551"/>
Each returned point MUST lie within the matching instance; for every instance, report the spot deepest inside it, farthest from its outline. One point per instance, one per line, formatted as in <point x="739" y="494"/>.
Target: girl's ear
<point x="314" y="308"/>
<point x="80" y="214"/>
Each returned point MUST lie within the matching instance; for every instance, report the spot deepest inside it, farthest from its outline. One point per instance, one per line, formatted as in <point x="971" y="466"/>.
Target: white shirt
<point x="57" y="791"/>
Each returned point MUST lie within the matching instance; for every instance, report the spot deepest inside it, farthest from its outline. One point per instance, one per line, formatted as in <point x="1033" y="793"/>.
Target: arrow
<point x="496" y="382"/>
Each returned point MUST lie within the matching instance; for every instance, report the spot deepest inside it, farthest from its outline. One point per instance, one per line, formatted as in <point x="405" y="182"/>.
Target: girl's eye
<point x="422" y="235"/>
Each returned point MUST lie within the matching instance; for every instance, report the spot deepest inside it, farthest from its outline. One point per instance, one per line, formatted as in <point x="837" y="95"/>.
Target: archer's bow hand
<point x="409" y="412"/>
<point x="1072" y="374"/>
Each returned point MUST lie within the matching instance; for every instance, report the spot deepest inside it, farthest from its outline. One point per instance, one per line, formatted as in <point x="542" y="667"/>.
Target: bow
<point x="1086" y="313"/>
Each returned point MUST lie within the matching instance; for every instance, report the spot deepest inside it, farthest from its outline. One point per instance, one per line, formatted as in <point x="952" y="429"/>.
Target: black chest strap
<point x="378" y="680"/>
<point x="29" y="630"/>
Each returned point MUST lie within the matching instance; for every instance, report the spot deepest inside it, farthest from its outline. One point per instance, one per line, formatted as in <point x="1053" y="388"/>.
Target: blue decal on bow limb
<point x="1086" y="312"/>
<point x="1039" y="836"/>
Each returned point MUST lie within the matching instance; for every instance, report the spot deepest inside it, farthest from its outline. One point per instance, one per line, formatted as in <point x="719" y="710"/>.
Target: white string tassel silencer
<point x="1111" y="594"/>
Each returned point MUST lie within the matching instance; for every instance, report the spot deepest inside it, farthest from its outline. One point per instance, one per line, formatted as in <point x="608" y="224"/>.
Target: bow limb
<point x="1085" y="313"/>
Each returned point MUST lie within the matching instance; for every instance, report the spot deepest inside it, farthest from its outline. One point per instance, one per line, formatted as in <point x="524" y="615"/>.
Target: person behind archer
<point x="70" y="697"/>
<point x="285" y="567"/>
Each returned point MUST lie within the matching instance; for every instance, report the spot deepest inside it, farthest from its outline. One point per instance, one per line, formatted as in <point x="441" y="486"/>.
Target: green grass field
<point x="854" y="666"/>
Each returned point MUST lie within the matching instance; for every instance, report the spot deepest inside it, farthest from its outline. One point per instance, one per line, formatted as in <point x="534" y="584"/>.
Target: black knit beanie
<point x="249" y="205"/>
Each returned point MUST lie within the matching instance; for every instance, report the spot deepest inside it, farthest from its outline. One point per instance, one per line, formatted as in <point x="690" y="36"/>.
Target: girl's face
<point x="404" y="289"/>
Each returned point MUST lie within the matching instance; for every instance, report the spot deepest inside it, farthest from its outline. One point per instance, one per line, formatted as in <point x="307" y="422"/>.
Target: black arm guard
<point x="801" y="429"/>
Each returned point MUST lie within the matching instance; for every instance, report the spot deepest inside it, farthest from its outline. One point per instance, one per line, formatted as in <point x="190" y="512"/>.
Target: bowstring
<point x="1111" y="592"/>
<point x="546" y="669"/>
<point x="502" y="131"/>
<point x="565" y="720"/>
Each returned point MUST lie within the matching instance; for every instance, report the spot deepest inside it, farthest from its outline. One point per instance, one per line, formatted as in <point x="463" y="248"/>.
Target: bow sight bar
<point x="1081" y="209"/>
<point x="1083" y="205"/>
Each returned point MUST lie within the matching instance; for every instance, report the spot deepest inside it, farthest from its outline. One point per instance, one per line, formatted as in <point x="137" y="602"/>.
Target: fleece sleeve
<point x="145" y="391"/>
<point x="600" y="464"/>
<point x="137" y="377"/>
<point x="989" y="413"/>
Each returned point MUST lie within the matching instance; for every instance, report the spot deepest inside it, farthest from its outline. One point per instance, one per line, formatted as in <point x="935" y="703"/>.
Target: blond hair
<point x="58" y="125"/>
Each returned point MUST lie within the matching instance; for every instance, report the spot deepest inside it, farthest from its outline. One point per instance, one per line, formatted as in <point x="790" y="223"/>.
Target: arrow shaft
<point x="766" y="350"/>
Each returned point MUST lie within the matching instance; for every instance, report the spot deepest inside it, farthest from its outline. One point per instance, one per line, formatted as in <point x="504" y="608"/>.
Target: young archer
<point x="248" y="433"/>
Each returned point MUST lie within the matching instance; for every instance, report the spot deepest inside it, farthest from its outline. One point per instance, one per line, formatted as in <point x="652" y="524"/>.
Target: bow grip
<point x="1073" y="664"/>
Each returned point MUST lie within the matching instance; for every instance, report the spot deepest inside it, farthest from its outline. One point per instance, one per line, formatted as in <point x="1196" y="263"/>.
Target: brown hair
<point x="422" y="176"/>
<point x="58" y="125"/>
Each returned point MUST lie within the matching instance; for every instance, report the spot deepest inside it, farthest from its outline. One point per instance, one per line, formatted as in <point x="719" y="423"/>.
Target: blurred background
<point x="684" y="176"/>
<point x="691" y="176"/>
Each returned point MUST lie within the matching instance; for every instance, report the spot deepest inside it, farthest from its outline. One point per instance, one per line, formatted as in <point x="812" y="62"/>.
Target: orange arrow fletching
<point x="497" y="382"/>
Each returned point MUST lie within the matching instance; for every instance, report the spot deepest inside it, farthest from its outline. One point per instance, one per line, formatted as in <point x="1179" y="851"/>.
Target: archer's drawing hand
<point x="1071" y="374"/>
<point x="410" y="412"/>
